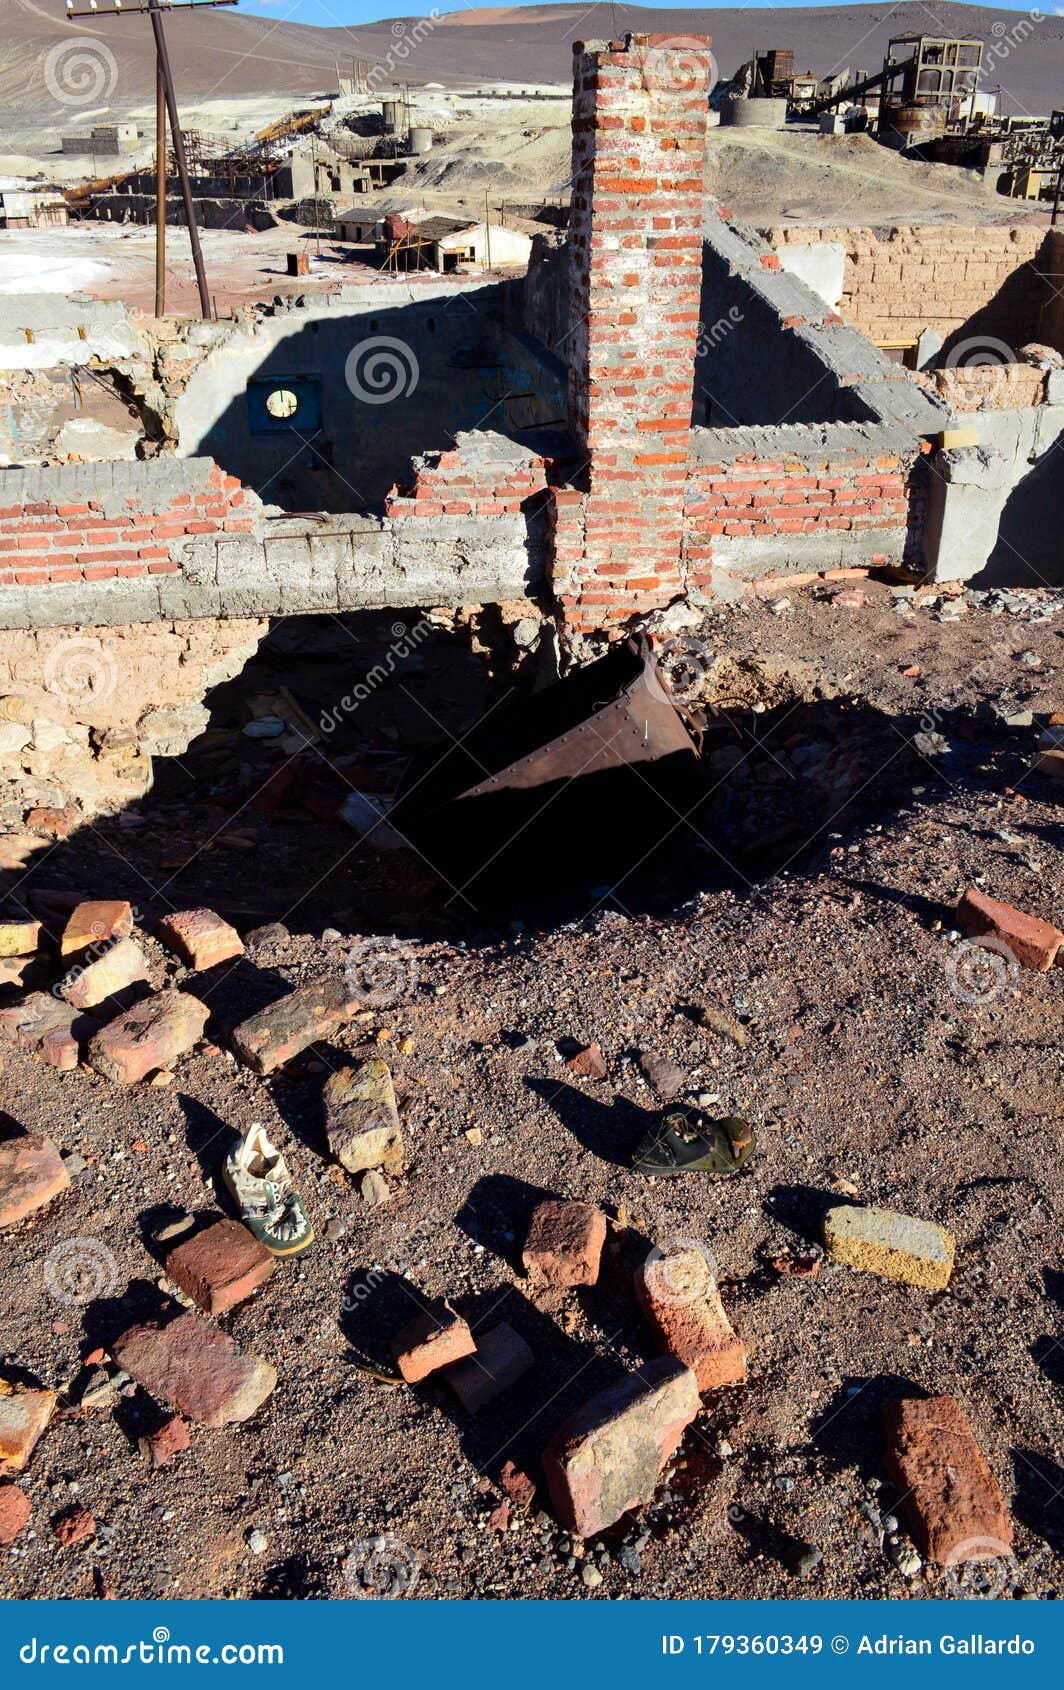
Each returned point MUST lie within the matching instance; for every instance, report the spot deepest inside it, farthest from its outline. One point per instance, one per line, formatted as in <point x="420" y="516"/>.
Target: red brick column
<point x="639" y="137"/>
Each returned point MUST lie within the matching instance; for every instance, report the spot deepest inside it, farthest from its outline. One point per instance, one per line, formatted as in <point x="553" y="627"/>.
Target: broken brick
<point x="361" y="1118"/>
<point x="608" y="1456"/>
<point x="895" y="1246"/>
<point x="151" y="1035"/>
<point x="32" y="1172"/>
<point x="564" y="1243"/>
<point x="76" y="1525"/>
<point x="53" y="821"/>
<point x="200" y="938"/>
<point x="46" y="1027"/>
<point x="502" y="1358"/>
<point x="272" y="1037"/>
<point x="24" y="1414"/>
<point x="94" y="923"/>
<point x="170" y="1439"/>
<point x="220" y="1266"/>
<point x="19" y="938"/>
<point x="951" y="1498"/>
<point x="517" y="1484"/>
<point x="121" y="965"/>
<point x="1034" y="943"/>
<point x="679" y="1296"/>
<point x="588" y="1063"/>
<point x="430" y="1341"/>
<point x="15" y="1510"/>
<point x="197" y="1368"/>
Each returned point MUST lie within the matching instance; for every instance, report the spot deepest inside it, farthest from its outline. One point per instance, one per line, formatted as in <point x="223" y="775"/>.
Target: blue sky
<point x="365" y="11"/>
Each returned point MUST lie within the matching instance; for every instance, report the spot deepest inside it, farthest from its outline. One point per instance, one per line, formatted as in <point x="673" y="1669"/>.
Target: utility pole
<point x="168" y="99"/>
<point x="160" y="192"/>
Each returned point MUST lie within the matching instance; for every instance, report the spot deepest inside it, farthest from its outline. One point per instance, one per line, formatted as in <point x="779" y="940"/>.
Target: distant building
<point x="108" y="140"/>
<point x="32" y="210"/>
<point x="404" y="241"/>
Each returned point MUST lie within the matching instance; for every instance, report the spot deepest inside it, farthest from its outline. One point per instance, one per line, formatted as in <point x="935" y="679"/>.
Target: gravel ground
<point x="875" y="1065"/>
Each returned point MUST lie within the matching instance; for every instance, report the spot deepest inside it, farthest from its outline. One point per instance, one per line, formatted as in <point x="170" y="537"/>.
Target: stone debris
<point x="94" y="923"/>
<point x="374" y="1189"/>
<point x="122" y="964"/>
<point x="609" y="1456"/>
<point x="1034" y="943"/>
<point x="564" y="1243"/>
<point x="19" y="938"/>
<point x="664" y="1077"/>
<point x="719" y="1021"/>
<point x="678" y="1294"/>
<point x="24" y="1414"/>
<point x="1050" y="764"/>
<point x="21" y="971"/>
<point x="430" y="1341"/>
<point x="46" y="1027"/>
<point x="220" y="1267"/>
<point x="502" y="1358"/>
<point x="361" y="1118"/>
<point x="272" y="1037"/>
<point x="32" y="1172"/>
<point x="74" y="1525"/>
<point x="151" y="1035"/>
<point x="197" y="1368"/>
<point x="15" y="1510"/>
<point x="200" y="938"/>
<point x="588" y="1063"/>
<point x="953" y="1502"/>
<point x="517" y="1485"/>
<point x="170" y="1439"/>
<point x="895" y="1246"/>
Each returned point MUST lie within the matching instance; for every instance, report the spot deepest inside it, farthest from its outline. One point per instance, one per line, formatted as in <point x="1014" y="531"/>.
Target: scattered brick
<point x="517" y="1485"/>
<point x="46" y="1027"/>
<point x="52" y="821"/>
<point x="19" y="938"/>
<point x="564" y="1243"/>
<point x="588" y="1063"/>
<point x="170" y="1439"/>
<point x="75" y="1525"/>
<point x="268" y="1040"/>
<point x="151" y="1035"/>
<point x="200" y="938"/>
<point x="95" y="922"/>
<point x="430" y="1341"/>
<point x="664" y="1077"/>
<point x="197" y="1368"/>
<point x="609" y="1456"/>
<point x="361" y="1118"/>
<point x="32" y="1172"/>
<point x="951" y="1498"/>
<point x="15" y="1510"/>
<point x="220" y="1267"/>
<point x="24" y="1414"/>
<point x="502" y="1358"/>
<point x="679" y="1296"/>
<point x="895" y="1246"/>
<point x="1033" y="943"/>
<point x="121" y="965"/>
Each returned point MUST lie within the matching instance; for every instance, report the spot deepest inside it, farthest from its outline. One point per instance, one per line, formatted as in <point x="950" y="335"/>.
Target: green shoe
<point x="261" y="1187"/>
<point x="688" y="1141"/>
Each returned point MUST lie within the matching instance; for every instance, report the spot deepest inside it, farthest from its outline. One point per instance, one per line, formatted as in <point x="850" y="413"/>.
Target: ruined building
<point x="661" y="408"/>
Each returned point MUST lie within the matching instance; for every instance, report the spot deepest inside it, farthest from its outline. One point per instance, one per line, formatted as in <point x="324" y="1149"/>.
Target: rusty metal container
<point x="575" y="784"/>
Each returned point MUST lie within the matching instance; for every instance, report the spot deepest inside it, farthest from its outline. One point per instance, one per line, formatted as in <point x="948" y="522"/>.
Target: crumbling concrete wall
<point x="44" y="331"/>
<point x="900" y="281"/>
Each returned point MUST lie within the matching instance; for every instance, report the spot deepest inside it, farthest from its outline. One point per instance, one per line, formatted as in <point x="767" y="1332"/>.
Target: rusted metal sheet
<point x="583" y="779"/>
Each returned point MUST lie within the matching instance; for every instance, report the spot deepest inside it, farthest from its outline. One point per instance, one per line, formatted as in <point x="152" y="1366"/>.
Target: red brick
<point x="15" y="1510"/>
<point x="200" y="938"/>
<point x="564" y="1243"/>
<point x="272" y="1037"/>
<point x="171" y="1438"/>
<point x="220" y="1267"/>
<point x="1033" y="942"/>
<point x="430" y="1341"/>
<point x="951" y="1498"/>
<point x="32" y="1172"/>
<point x="679" y="1295"/>
<point x="95" y="922"/>
<point x="196" y="1367"/>
<point x="152" y="1035"/>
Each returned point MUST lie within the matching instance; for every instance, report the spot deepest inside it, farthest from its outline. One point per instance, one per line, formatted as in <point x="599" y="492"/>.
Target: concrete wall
<point x="996" y="509"/>
<point x="45" y="331"/>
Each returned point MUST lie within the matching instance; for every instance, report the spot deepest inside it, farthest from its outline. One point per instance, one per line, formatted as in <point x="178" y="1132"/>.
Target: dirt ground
<point x="814" y="905"/>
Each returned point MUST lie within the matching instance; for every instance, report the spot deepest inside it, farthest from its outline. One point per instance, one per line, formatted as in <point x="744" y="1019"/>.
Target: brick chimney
<point x="640" y="112"/>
